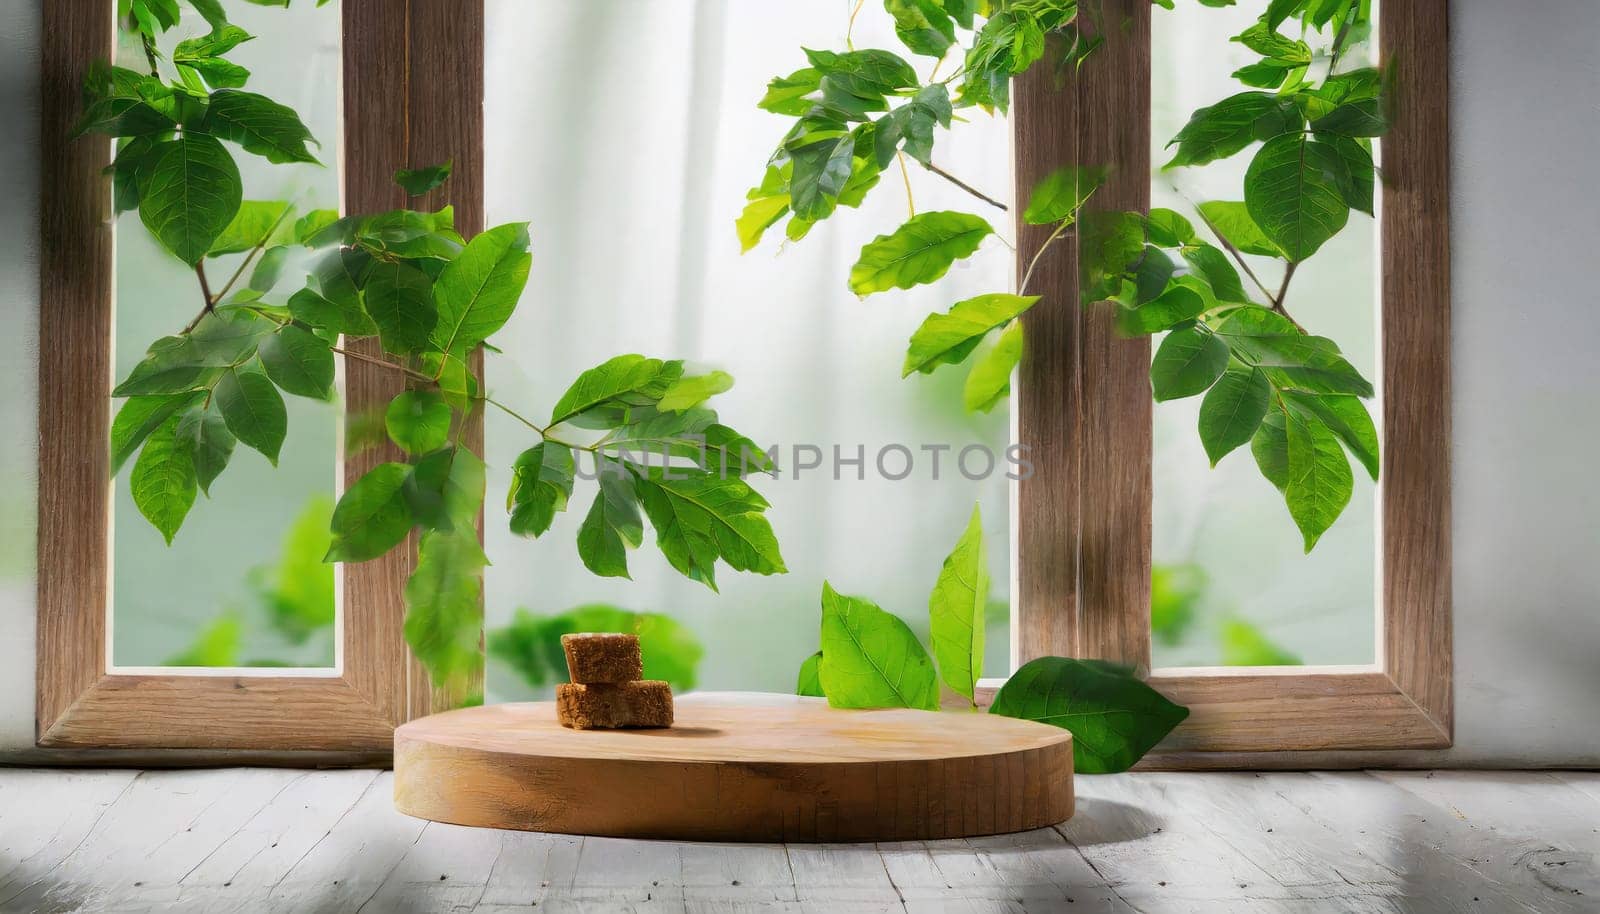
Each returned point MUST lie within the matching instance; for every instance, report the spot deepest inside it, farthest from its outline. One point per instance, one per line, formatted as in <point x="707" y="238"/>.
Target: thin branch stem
<point x="1283" y="290"/>
<point x="905" y="175"/>
<point x="1237" y="257"/>
<point x="850" y="27"/>
<point x="150" y="54"/>
<point x="205" y="295"/>
<point x="1032" y="264"/>
<point x="251" y="255"/>
<point x="517" y="416"/>
<point x="384" y="363"/>
<point x="964" y="186"/>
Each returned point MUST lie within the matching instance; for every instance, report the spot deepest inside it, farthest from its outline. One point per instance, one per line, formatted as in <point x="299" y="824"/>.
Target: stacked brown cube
<point x="606" y="692"/>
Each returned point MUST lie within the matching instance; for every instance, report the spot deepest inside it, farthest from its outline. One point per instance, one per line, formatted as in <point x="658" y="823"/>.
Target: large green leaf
<point x="399" y="298"/>
<point x="1270" y="447"/>
<point x="1213" y="266"/>
<point x="139" y="417"/>
<point x="345" y="316"/>
<point x="809" y="680"/>
<point x="210" y="443"/>
<point x="700" y="517"/>
<point x="1188" y="361"/>
<point x="541" y="483"/>
<point x="866" y="72"/>
<point x="1220" y="130"/>
<point x="1059" y="195"/>
<point x="920" y="251"/>
<point x="624" y="381"/>
<point x="418" y="421"/>
<point x="947" y="339"/>
<point x="989" y="381"/>
<point x="923" y="26"/>
<point x="1319" y="484"/>
<point x="188" y="193"/>
<point x="372" y="516"/>
<point x="253" y="409"/>
<point x="299" y="362"/>
<point x="1231" y="220"/>
<point x="532" y="644"/>
<point x="870" y="658"/>
<point x="1179" y="303"/>
<point x="955" y="610"/>
<point x="259" y="124"/>
<point x="692" y="390"/>
<point x="478" y="291"/>
<point x="612" y="526"/>
<point x="256" y="222"/>
<point x="163" y="480"/>
<point x="1232" y="410"/>
<point x="418" y="181"/>
<point x="445" y="489"/>
<point x="1347" y="417"/>
<point x="1293" y="190"/>
<point x="444" y="605"/>
<point x="1113" y="716"/>
<point x="821" y="171"/>
<point x="1358" y="192"/>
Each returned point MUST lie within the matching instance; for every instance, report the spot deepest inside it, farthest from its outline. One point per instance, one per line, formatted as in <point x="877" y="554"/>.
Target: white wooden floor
<point x="261" y="840"/>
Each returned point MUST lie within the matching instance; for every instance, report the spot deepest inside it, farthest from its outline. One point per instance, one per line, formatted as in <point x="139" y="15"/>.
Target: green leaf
<point x="1358" y="190"/>
<point x="626" y="380"/>
<point x="478" y="291"/>
<point x="1267" y="74"/>
<point x="418" y="421"/>
<point x="210" y="444"/>
<point x="1233" y="409"/>
<point x="692" y="390"/>
<point x="1169" y="229"/>
<point x="955" y="611"/>
<point x="1244" y="644"/>
<point x="418" y="181"/>
<point x="920" y="251"/>
<point x="947" y="339"/>
<point x="188" y="193"/>
<point x="1270" y="447"/>
<point x="870" y="658"/>
<point x="532" y="644"/>
<point x="989" y="381"/>
<point x="444" y="605"/>
<point x="259" y="124"/>
<point x="865" y="73"/>
<point x="1292" y="190"/>
<point x="216" y="72"/>
<point x="1230" y="125"/>
<point x="759" y="215"/>
<point x="309" y="225"/>
<point x="1114" y="717"/>
<point x="400" y="300"/>
<point x="298" y="362"/>
<point x="372" y="516"/>
<point x="139" y="417"/>
<point x="1232" y="222"/>
<point x="219" y="41"/>
<point x="1213" y="266"/>
<point x="923" y="26"/>
<point x="612" y="526"/>
<point x="1319" y="483"/>
<point x="163" y="480"/>
<point x="253" y="409"/>
<point x="1362" y="117"/>
<point x="1177" y="304"/>
<point x="541" y="483"/>
<point x="445" y="489"/>
<point x="268" y="268"/>
<point x="1345" y="416"/>
<point x="1059" y="195"/>
<point x="345" y="316"/>
<point x="218" y="644"/>
<point x="1175" y="595"/>
<point x="909" y="127"/>
<point x="255" y="223"/>
<point x="1188" y="362"/>
<point x="809" y="682"/>
<point x="821" y="171"/>
<point x="1290" y="359"/>
<point x="1264" y="40"/>
<point x="701" y="517"/>
<point x="788" y="94"/>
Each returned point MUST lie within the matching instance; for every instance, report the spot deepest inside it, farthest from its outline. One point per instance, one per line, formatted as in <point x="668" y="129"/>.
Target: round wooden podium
<point x="738" y="766"/>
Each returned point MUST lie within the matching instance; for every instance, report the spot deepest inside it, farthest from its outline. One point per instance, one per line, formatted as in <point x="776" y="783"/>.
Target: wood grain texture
<point x="738" y="767"/>
<point x="1084" y="409"/>
<point x="392" y="120"/>
<point x="413" y="75"/>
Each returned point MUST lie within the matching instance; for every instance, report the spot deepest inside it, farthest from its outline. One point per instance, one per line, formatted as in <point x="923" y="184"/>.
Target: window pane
<point x="243" y="582"/>
<point x="627" y="133"/>
<point x="1232" y="583"/>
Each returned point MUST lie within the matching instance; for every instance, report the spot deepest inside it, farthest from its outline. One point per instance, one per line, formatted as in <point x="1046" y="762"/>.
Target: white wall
<point x="1526" y="217"/>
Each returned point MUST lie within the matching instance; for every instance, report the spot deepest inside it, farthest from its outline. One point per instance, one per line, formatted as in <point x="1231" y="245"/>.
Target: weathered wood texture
<point x="738" y="767"/>
<point x="391" y="121"/>
<point x="1083" y="397"/>
<point x="413" y="73"/>
<point x="294" y="841"/>
<point x="1084" y="411"/>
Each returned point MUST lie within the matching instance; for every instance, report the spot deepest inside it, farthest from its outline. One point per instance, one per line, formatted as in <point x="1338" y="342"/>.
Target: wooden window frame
<point x="84" y="711"/>
<point x="1084" y="409"/>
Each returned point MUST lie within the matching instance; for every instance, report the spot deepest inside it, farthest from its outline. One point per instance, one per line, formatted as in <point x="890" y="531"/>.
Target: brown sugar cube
<point x="646" y="703"/>
<point x="602" y="657"/>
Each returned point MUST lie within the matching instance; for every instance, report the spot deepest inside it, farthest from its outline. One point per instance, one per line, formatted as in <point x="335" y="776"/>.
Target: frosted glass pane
<point x="1231" y="573"/>
<point x="627" y="134"/>
<point x="242" y="582"/>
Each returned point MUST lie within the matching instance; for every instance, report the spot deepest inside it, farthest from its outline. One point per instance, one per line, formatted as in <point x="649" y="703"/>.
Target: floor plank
<point x="260" y="840"/>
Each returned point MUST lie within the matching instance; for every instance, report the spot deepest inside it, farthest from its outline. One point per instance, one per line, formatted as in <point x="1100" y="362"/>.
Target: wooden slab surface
<point x="738" y="767"/>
